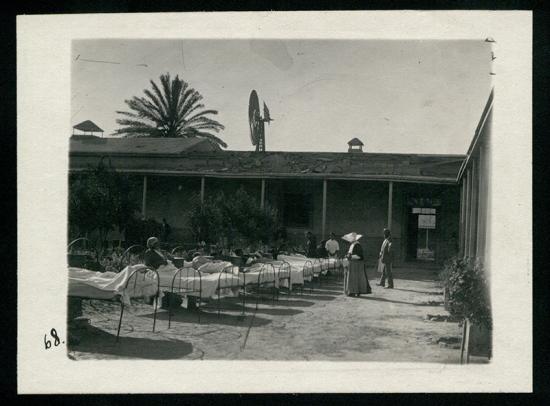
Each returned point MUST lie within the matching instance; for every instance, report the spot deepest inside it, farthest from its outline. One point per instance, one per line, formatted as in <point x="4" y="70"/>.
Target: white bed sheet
<point x="109" y="285"/>
<point x="262" y="273"/>
<point x="228" y="283"/>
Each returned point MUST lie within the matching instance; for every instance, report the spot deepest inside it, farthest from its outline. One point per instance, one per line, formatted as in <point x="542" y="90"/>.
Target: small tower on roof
<point x="88" y="128"/>
<point x="355" y="145"/>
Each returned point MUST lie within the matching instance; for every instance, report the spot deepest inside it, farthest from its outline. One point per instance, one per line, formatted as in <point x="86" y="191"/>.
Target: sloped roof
<point x="139" y="145"/>
<point x="355" y="141"/>
<point x="279" y="164"/>
<point x="88" y="126"/>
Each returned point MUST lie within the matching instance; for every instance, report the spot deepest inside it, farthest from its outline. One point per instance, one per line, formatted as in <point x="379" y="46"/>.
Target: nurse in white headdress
<point x="356" y="282"/>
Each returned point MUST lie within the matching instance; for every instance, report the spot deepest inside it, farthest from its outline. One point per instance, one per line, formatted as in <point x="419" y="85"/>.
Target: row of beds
<point x="227" y="281"/>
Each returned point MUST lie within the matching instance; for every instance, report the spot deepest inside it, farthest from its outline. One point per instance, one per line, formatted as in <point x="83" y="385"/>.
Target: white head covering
<point x="152" y="241"/>
<point x="352" y="237"/>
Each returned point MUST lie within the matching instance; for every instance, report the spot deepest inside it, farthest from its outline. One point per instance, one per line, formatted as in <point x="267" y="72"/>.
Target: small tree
<point x="468" y="290"/>
<point x="207" y="220"/>
<point x="234" y="217"/>
<point x="101" y="199"/>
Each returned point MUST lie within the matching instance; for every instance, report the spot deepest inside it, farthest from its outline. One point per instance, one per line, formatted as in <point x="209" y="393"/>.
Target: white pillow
<point x="214" y="267"/>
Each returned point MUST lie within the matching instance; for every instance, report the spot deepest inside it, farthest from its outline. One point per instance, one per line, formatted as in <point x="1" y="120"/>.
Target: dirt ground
<point x="322" y="324"/>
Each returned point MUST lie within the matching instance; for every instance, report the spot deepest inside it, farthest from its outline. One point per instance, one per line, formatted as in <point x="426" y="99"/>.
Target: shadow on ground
<point x="209" y="317"/>
<point x="313" y="296"/>
<point x="251" y="309"/>
<point x="285" y="301"/>
<point x="425" y="292"/>
<point x="381" y="299"/>
<point x="95" y="340"/>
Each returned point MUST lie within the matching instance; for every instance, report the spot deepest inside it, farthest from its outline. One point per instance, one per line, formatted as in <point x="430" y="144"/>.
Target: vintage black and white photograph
<point x="274" y="202"/>
<point x="279" y="200"/>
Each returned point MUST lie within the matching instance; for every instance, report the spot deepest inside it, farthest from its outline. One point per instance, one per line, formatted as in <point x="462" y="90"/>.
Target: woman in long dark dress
<point x="355" y="279"/>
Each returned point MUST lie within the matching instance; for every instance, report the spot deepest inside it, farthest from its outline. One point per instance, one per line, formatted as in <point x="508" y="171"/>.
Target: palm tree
<point x="174" y="111"/>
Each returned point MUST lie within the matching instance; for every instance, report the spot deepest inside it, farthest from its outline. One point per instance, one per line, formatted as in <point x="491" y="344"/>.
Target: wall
<point x="275" y="194"/>
<point x="475" y="199"/>
<point x="172" y="198"/>
<point x="360" y="206"/>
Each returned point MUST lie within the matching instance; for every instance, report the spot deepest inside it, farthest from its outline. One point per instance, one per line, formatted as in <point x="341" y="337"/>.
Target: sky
<point x="422" y="97"/>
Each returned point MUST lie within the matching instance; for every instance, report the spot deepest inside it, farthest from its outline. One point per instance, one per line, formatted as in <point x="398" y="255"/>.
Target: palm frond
<point x="161" y="99"/>
<point x="191" y="98"/>
<point x="171" y="109"/>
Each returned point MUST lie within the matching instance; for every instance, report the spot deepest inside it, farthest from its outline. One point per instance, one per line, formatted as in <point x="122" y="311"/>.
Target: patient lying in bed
<point x="110" y="285"/>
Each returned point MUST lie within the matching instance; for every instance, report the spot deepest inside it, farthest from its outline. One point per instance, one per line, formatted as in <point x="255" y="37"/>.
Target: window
<point x="297" y="209"/>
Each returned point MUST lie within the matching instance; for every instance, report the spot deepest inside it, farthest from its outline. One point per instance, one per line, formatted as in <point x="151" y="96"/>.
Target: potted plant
<point x="467" y="290"/>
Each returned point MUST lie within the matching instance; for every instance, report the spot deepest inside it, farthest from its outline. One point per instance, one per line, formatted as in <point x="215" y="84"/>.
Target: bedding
<point x="254" y="274"/>
<point x="189" y="280"/>
<point x="110" y="285"/>
<point x="297" y="263"/>
<point x="214" y="266"/>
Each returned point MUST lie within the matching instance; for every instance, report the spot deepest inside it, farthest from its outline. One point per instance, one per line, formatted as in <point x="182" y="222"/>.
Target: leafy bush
<point x="207" y="221"/>
<point x="101" y="199"/>
<point x="468" y="290"/>
<point x="237" y="217"/>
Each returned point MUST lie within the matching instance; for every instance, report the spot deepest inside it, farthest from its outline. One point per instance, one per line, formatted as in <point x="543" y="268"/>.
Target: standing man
<point x="386" y="260"/>
<point x="332" y="246"/>
<point x="311" y="245"/>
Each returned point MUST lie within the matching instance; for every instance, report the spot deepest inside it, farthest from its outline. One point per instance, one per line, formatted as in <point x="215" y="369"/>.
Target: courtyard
<point x="317" y="324"/>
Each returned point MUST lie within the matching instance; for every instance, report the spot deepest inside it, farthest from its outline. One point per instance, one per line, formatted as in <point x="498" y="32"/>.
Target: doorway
<point x="421" y="226"/>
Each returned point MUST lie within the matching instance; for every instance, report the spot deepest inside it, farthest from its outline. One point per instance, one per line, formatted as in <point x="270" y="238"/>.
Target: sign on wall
<point x="426" y="221"/>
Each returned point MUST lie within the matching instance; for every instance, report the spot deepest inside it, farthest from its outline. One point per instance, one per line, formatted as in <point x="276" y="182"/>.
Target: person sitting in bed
<point x="154" y="257"/>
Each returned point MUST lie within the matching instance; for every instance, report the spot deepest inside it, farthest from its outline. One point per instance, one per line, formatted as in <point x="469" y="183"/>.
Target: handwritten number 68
<point x="56" y="340"/>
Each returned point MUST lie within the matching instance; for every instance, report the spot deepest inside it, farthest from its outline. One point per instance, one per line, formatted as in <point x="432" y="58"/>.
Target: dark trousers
<point x="386" y="273"/>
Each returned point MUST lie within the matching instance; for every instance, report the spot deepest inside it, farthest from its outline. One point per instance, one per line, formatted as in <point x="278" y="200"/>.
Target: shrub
<point x="237" y="217"/>
<point x="468" y="290"/>
<point x="207" y="221"/>
<point x="101" y="199"/>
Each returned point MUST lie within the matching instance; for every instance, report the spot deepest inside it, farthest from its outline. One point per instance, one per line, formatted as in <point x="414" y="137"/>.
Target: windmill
<point x="257" y="128"/>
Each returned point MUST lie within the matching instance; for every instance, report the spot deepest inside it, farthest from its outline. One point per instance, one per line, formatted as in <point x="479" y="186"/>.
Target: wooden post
<point x="324" y="221"/>
<point x="480" y="224"/>
<point x="262" y="196"/>
<point x="202" y="189"/>
<point x="467" y="213"/>
<point x="473" y="211"/>
<point x="467" y="341"/>
<point x="144" y="198"/>
<point x="465" y="344"/>
<point x="462" y="213"/>
<point x="390" y="204"/>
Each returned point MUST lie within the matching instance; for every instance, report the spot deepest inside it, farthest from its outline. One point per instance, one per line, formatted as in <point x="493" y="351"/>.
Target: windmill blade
<point x="267" y="117"/>
<point x="254" y="117"/>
